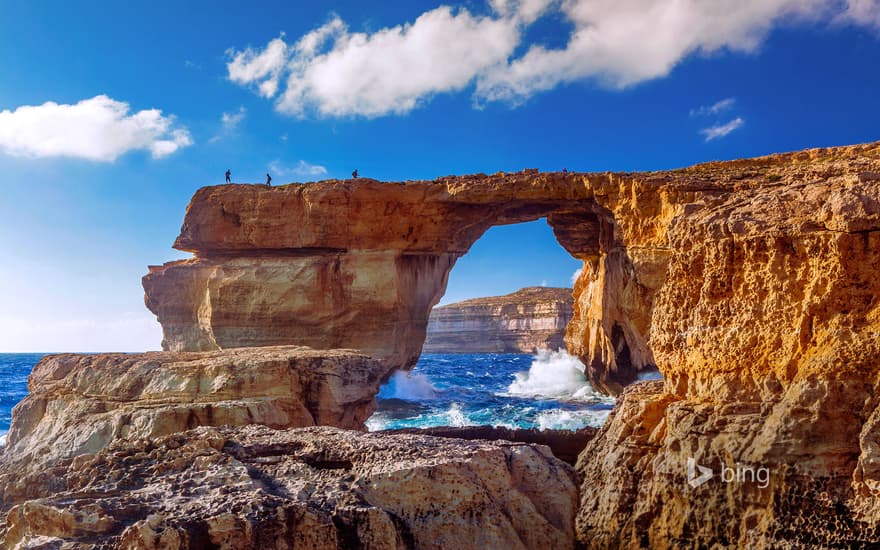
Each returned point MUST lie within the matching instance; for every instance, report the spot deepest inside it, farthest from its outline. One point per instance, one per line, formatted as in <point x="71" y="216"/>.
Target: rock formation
<point x="321" y="488"/>
<point x="566" y="445"/>
<point x="521" y="322"/>
<point x="359" y="264"/>
<point x="752" y="285"/>
<point x="78" y="404"/>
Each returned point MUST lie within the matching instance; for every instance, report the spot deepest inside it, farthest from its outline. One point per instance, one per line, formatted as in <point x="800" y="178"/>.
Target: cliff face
<point x="359" y="264"/>
<point x="753" y="286"/>
<point x="521" y="322"/>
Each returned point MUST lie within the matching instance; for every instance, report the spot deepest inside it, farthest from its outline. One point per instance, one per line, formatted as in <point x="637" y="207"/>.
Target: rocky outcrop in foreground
<point x="529" y="319"/>
<point x="325" y="488"/>
<point x="797" y="472"/>
<point x="78" y="404"/>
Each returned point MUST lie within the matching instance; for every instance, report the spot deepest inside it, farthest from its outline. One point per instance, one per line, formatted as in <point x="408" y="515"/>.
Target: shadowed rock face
<point x="325" y="488"/>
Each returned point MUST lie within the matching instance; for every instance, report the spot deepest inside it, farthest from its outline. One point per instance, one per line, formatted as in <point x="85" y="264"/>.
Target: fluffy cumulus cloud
<point x="99" y="129"/>
<point x="332" y="71"/>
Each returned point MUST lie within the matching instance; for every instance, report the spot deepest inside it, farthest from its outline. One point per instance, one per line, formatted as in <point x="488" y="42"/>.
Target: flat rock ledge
<point x="79" y="404"/>
<point x="319" y="487"/>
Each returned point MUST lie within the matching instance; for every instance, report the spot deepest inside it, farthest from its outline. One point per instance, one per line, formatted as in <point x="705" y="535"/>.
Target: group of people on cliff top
<point x="269" y="178"/>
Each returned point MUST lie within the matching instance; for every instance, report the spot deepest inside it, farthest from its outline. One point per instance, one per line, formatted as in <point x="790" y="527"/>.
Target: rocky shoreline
<point x="752" y="286"/>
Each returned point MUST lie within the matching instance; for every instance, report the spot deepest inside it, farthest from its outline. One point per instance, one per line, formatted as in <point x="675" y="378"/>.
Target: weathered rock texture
<point x="521" y="322"/>
<point x="566" y="445"/>
<point x="767" y="331"/>
<point x="78" y="404"/>
<point x="753" y="286"/>
<point x="320" y="488"/>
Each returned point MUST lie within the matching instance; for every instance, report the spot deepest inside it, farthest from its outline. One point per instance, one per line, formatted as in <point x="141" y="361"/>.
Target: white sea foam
<point x="376" y="422"/>
<point x="455" y="417"/>
<point x="554" y="374"/>
<point x="408" y="386"/>
<point x="558" y="419"/>
<point x="3" y="438"/>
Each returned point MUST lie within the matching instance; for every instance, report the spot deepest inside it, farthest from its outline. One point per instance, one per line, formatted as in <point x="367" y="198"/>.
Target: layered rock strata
<point x="359" y="264"/>
<point x="325" y="488"/>
<point x="752" y="285"/>
<point x="769" y="343"/>
<point x="78" y="404"/>
<point x="529" y="319"/>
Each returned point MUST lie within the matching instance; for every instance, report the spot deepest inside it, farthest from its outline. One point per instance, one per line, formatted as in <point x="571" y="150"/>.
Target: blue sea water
<point x="547" y="391"/>
<point x="14" y="371"/>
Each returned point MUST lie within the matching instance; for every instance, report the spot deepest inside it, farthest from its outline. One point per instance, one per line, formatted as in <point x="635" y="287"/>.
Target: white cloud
<point x="229" y="123"/>
<point x="718" y="131"/>
<point x="99" y="129"/>
<point x="301" y="169"/>
<point x="262" y="68"/>
<point x="332" y="71"/>
<point x="576" y="275"/>
<point x="714" y="109"/>
<point x="861" y="12"/>
<point x="335" y="72"/>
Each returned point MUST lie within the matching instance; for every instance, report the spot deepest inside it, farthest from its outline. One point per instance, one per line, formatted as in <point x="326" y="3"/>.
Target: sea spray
<point x="554" y="374"/>
<point x="473" y="390"/>
<point x="408" y="386"/>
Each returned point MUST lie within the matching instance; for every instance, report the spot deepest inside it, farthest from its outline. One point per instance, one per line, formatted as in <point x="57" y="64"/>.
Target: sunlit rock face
<point x="752" y="285"/>
<point x="767" y="331"/>
<point x="79" y="404"/>
<point x="359" y="263"/>
<point x="529" y="319"/>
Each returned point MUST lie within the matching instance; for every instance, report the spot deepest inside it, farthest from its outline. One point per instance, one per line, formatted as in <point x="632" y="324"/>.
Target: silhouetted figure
<point x="565" y="171"/>
<point x="228" y="176"/>
<point x="355" y="174"/>
<point x="268" y="180"/>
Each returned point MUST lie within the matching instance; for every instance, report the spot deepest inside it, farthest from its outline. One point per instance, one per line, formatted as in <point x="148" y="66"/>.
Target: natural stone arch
<point x="359" y="264"/>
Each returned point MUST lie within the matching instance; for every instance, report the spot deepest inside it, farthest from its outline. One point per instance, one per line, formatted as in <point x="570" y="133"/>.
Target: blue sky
<point x="151" y="102"/>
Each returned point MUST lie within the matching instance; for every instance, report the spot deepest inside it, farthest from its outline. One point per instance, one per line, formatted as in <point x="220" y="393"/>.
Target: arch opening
<point x="489" y="358"/>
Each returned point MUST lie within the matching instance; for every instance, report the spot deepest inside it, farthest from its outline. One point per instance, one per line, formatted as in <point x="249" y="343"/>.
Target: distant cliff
<point x="533" y="317"/>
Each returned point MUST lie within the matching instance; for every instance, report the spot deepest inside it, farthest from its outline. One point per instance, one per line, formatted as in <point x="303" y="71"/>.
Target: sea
<point x="547" y="390"/>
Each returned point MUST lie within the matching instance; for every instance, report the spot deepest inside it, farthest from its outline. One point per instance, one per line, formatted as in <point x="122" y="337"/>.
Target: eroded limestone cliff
<point x="521" y="322"/>
<point x="753" y="285"/>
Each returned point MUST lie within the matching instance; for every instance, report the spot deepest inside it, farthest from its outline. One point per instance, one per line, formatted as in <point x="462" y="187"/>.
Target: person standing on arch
<point x="268" y="180"/>
<point x="228" y="176"/>
<point x="355" y="174"/>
